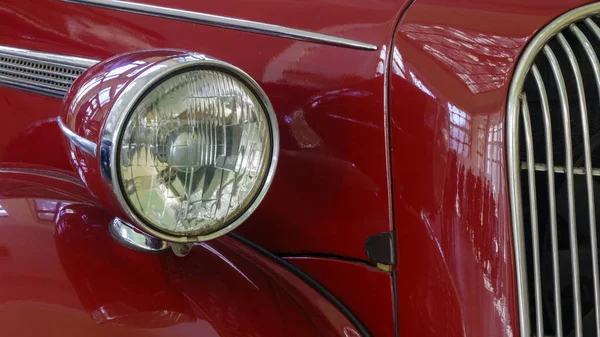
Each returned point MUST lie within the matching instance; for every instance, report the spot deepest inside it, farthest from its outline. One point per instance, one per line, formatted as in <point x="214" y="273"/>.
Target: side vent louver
<point x="44" y="73"/>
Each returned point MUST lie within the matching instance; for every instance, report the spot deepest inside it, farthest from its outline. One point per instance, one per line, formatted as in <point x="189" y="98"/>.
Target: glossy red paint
<point x="367" y="291"/>
<point x="64" y="275"/>
<point x="449" y="80"/>
<point x="329" y="100"/>
<point x="30" y="120"/>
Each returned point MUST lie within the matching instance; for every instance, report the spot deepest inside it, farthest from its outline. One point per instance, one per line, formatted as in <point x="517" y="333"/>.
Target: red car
<point x="400" y="168"/>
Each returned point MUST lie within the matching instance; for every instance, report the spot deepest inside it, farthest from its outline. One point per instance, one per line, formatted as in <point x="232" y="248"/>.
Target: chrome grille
<point x="553" y="119"/>
<point x="49" y="74"/>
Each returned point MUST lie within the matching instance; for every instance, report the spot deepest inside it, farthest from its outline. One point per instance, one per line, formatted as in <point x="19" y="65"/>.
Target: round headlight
<point x="181" y="145"/>
<point x="195" y="152"/>
<point x="186" y="146"/>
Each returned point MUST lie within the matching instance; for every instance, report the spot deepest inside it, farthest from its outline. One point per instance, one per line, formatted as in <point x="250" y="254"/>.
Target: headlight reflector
<point x="194" y="152"/>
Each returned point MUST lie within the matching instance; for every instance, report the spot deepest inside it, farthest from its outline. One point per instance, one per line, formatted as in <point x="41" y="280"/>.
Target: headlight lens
<point x="194" y="153"/>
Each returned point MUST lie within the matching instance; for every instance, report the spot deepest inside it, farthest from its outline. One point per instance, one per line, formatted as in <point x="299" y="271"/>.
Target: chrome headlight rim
<point x="125" y="105"/>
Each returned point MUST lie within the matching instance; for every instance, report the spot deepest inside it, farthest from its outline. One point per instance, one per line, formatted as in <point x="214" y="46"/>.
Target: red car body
<point x="406" y="139"/>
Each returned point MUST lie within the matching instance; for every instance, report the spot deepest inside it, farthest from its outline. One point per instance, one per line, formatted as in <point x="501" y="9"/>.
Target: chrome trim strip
<point x="82" y="143"/>
<point x="580" y="171"/>
<point x="133" y="238"/>
<point x="537" y="278"/>
<point x="74" y="62"/>
<point x="588" y="163"/>
<point x="226" y="22"/>
<point x="37" y="88"/>
<point x="566" y="117"/>
<point x="39" y="77"/>
<point x="43" y="173"/>
<point x="551" y="197"/>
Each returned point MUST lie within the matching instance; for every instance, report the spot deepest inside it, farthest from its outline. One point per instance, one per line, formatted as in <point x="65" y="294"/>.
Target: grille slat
<point x="561" y="169"/>
<point x="551" y="198"/>
<point x="554" y="107"/>
<point x="569" y="171"/>
<point x="566" y="119"/>
<point x="588" y="164"/>
<point x="593" y="26"/>
<point x="534" y="216"/>
<point x="45" y="73"/>
<point x="25" y="84"/>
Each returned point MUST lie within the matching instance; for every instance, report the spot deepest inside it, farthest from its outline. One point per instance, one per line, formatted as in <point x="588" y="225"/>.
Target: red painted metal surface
<point x="449" y="79"/>
<point x="28" y="121"/>
<point x="63" y="275"/>
<point x="329" y="100"/>
<point x="365" y="290"/>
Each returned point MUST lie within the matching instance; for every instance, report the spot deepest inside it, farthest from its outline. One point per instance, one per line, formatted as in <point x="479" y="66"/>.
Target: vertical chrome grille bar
<point x="514" y="172"/>
<point x="593" y="26"/>
<point x="537" y="282"/>
<point x="564" y="103"/>
<point x="589" y="50"/>
<point x="551" y="197"/>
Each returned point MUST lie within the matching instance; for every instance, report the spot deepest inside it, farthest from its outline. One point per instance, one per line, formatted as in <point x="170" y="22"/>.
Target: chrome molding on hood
<point x="227" y="22"/>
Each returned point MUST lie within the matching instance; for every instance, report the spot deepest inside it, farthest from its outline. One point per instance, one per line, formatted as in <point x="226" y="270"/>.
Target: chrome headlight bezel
<point x="125" y="105"/>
